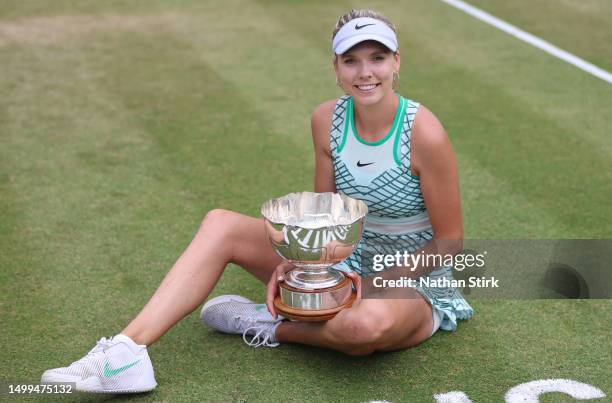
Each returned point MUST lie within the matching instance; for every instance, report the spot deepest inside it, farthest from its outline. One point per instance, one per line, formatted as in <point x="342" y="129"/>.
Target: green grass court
<point x="123" y="122"/>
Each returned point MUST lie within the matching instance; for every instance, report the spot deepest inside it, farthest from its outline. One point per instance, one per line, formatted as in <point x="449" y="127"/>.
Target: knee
<point x="218" y="220"/>
<point x="217" y="228"/>
<point x="364" y="334"/>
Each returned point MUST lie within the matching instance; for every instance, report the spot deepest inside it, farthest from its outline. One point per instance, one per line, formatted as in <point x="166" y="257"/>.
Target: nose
<point x="364" y="70"/>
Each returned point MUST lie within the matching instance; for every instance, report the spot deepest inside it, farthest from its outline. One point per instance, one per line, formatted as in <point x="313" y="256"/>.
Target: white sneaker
<point x="238" y="315"/>
<point x="116" y="365"/>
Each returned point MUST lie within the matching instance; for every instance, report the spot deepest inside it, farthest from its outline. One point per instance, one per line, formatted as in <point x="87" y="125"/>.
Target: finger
<point x="277" y="277"/>
<point x="284" y="267"/>
<point x="271" y="293"/>
<point x="356" y="279"/>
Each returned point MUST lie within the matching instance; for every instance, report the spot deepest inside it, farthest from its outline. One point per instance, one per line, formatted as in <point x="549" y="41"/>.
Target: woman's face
<point x="366" y="70"/>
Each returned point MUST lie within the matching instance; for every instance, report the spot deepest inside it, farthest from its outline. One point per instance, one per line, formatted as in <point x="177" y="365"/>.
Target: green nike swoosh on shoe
<point x="108" y="372"/>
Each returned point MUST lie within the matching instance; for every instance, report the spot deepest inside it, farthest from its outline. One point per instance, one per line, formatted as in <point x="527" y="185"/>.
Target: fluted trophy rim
<point x="314" y="231"/>
<point x="358" y="209"/>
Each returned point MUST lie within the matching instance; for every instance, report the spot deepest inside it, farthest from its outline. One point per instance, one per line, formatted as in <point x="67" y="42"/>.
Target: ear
<point x="335" y="63"/>
<point x="397" y="61"/>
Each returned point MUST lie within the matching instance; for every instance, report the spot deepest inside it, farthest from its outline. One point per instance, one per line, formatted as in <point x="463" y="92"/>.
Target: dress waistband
<point x="398" y="226"/>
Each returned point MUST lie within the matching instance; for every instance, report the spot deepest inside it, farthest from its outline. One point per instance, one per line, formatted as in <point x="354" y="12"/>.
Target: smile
<point x="367" y="87"/>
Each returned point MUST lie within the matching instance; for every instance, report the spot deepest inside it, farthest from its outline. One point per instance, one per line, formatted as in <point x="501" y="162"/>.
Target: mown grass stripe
<point x="589" y="21"/>
<point x="93" y="138"/>
<point x="562" y="94"/>
<point x="532" y="40"/>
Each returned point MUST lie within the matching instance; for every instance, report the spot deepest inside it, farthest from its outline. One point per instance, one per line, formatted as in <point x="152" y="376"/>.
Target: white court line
<point x="531" y="39"/>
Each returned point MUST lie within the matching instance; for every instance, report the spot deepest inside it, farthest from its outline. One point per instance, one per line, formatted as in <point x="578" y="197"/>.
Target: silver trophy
<point x="313" y="232"/>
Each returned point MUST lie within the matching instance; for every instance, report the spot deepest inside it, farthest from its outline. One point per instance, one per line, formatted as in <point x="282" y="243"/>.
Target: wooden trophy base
<point x="311" y="315"/>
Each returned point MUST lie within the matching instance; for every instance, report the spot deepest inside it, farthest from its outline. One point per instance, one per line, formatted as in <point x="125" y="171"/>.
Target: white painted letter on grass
<point x="530" y="391"/>
<point x="452" y="397"/>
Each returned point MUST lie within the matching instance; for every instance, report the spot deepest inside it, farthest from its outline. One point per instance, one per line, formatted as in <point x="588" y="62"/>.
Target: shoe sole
<point x="91" y="385"/>
<point x="117" y="391"/>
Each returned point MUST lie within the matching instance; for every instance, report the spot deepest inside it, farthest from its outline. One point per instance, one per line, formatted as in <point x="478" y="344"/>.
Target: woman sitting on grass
<point x="371" y="144"/>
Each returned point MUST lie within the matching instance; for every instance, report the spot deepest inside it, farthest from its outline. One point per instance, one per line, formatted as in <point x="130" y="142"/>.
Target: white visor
<point x="363" y="29"/>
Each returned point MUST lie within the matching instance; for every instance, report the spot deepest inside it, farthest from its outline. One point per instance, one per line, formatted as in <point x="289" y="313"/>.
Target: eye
<point x="348" y="61"/>
<point x="379" y="58"/>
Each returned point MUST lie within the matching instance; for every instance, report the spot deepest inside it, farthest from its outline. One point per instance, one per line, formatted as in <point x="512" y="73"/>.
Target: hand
<point x="278" y="275"/>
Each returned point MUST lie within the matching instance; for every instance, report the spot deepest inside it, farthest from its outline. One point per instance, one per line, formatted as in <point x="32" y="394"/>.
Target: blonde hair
<point x="359" y="13"/>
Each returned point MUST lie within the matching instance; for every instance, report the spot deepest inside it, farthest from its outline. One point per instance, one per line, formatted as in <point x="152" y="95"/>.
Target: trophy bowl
<point x="313" y="232"/>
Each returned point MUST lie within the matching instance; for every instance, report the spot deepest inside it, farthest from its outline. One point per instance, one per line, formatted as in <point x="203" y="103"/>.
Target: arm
<point x="320" y="122"/>
<point x="433" y="160"/>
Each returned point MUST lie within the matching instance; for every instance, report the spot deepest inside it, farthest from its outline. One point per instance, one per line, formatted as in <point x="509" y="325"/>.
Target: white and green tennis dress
<point x="379" y="174"/>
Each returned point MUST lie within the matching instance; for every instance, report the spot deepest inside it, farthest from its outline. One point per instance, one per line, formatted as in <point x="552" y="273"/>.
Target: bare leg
<point x="368" y="326"/>
<point x="224" y="237"/>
